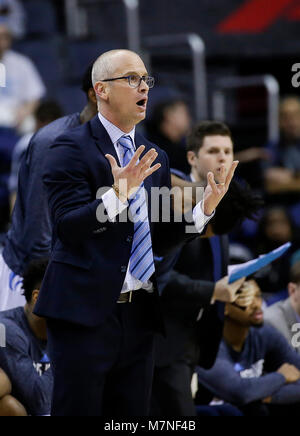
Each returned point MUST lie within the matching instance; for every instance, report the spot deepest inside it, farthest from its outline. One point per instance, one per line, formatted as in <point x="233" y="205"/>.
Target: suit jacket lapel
<point x="106" y="146"/>
<point x="102" y="138"/>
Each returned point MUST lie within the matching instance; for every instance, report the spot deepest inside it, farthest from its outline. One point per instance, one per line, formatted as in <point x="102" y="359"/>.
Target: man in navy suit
<point x="99" y="293"/>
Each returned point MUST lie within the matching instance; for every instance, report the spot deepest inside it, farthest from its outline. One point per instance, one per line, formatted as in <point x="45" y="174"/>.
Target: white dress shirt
<point x="114" y="206"/>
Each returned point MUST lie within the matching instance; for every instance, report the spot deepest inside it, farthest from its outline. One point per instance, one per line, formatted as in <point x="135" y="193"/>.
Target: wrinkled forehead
<point x="127" y="63"/>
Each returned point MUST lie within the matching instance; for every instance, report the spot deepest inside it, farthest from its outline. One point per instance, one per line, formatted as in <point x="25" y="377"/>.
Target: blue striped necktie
<point x="141" y="257"/>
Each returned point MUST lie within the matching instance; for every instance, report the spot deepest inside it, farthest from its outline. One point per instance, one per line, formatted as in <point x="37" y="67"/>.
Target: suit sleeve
<point x="37" y="222"/>
<point x="197" y="291"/>
<point x="72" y="206"/>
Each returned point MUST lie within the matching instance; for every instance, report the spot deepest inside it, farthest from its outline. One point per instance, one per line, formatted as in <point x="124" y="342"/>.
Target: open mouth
<point x="142" y="102"/>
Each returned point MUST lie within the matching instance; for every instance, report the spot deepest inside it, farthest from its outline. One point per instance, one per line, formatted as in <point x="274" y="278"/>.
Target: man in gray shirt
<point x="285" y="315"/>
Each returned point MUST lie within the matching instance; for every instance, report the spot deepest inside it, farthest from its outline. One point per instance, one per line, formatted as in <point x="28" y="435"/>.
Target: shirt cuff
<point x="113" y="205"/>
<point x="200" y="219"/>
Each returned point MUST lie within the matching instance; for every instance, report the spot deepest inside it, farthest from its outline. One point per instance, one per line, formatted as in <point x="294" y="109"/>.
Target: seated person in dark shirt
<point x="24" y="357"/>
<point x="283" y="175"/>
<point x="9" y="406"/>
<point x="276" y="228"/>
<point x="255" y="366"/>
<point x="168" y="127"/>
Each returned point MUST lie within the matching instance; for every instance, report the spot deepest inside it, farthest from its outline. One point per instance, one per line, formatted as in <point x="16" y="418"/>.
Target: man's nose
<point x="256" y="304"/>
<point x="143" y="86"/>
<point x="222" y="157"/>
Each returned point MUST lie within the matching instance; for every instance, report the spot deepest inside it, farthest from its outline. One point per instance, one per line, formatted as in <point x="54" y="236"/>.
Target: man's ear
<point x="101" y="90"/>
<point x="34" y="296"/>
<point x="92" y="95"/>
<point x="191" y="157"/>
<point x="292" y="288"/>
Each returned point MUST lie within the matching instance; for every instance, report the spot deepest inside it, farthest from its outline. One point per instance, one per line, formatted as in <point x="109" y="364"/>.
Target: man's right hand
<point x="128" y="179"/>
<point x="289" y="372"/>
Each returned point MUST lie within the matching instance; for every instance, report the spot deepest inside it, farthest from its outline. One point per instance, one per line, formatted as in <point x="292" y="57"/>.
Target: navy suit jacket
<point x="89" y="260"/>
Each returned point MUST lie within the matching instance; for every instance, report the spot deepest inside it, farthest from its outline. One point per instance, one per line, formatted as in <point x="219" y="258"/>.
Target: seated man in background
<point x="256" y="369"/>
<point x="24" y="89"/>
<point x="168" y="127"/>
<point x="284" y="174"/>
<point x="285" y="315"/>
<point x="24" y="358"/>
<point x="46" y="112"/>
<point x="9" y="406"/>
<point x="275" y="228"/>
<point x="12" y="13"/>
<point x="19" y="97"/>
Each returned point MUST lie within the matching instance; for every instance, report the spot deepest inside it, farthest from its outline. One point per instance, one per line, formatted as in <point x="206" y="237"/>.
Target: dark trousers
<point x="171" y="391"/>
<point x="172" y="394"/>
<point x="105" y="370"/>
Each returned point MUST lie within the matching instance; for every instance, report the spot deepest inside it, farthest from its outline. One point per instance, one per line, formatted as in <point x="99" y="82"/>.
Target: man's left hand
<point x="215" y="192"/>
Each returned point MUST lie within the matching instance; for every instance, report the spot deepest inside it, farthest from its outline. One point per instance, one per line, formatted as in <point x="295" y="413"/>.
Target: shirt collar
<point x="114" y="132"/>
<point x="192" y="178"/>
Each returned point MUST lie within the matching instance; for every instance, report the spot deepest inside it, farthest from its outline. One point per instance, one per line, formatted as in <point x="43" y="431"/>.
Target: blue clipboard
<point x="246" y="269"/>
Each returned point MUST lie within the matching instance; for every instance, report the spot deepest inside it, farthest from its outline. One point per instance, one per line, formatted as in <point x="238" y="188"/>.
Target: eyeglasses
<point x="134" y="80"/>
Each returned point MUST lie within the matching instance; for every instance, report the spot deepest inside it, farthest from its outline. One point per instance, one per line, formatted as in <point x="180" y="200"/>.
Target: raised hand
<point x="215" y="192"/>
<point x="225" y="292"/>
<point x="246" y="294"/>
<point x="129" y="178"/>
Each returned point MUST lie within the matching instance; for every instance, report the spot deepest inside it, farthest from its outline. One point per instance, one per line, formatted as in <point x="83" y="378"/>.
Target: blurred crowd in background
<point x="45" y="60"/>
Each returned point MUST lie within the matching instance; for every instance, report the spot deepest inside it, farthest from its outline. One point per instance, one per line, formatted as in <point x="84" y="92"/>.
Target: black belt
<point x="129" y="297"/>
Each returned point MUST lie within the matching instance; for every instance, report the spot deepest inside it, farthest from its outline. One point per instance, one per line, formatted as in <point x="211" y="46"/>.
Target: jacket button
<point x="123" y="269"/>
<point x="129" y="239"/>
